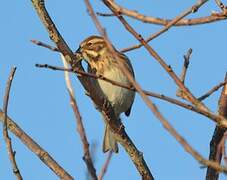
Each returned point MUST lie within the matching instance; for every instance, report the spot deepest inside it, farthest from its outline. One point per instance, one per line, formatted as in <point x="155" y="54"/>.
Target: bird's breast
<point x="120" y="98"/>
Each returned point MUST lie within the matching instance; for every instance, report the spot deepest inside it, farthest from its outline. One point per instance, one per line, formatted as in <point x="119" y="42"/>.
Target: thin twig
<point x="187" y="57"/>
<point x="43" y="155"/>
<point x="39" y="43"/>
<point x="148" y="93"/>
<point x="211" y="91"/>
<point x="105" y="14"/>
<point x="80" y="127"/>
<point x="171" y="23"/>
<point x="105" y="166"/>
<point x="220" y="5"/>
<point x="221" y="121"/>
<point x="161" y="21"/>
<point x="95" y="93"/>
<point x="136" y="156"/>
<point x="155" y="110"/>
<point x="11" y="153"/>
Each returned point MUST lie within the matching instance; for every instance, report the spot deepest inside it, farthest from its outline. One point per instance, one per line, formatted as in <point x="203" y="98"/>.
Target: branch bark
<point x="213" y="174"/>
<point x="93" y="91"/>
<point x="80" y="127"/>
<point x="221" y="121"/>
<point x="160" y="21"/>
<point x="43" y="155"/>
<point x="8" y="141"/>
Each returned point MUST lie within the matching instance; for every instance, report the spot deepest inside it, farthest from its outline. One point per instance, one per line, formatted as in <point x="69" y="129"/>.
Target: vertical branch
<point x="215" y="154"/>
<point x="5" y="129"/>
<point x="180" y="92"/>
<point x="80" y="127"/>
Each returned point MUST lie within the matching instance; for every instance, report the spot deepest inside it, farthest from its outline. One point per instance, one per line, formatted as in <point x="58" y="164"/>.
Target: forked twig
<point x="164" y="122"/>
<point x="171" y="23"/>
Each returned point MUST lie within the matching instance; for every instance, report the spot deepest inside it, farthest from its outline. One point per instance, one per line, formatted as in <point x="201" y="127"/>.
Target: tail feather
<point x="109" y="142"/>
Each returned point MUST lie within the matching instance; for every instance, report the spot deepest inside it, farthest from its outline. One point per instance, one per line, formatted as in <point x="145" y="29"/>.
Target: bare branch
<point x="171" y="23"/>
<point x="105" y="166"/>
<point x="135" y="155"/>
<point x="187" y="57"/>
<point x="160" y="21"/>
<point x="217" y="140"/>
<point x="43" y="155"/>
<point x="11" y="153"/>
<point x="220" y="5"/>
<point x="148" y="93"/>
<point x="105" y="14"/>
<point x="152" y="106"/>
<point x="39" y="43"/>
<point x="94" y="92"/>
<point x="221" y="121"/>
<point x="80" y="127"/>
<point x="211" y="91"/>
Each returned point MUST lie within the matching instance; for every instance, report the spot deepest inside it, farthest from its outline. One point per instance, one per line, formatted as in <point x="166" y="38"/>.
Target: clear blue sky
<point x="39" y="101"/>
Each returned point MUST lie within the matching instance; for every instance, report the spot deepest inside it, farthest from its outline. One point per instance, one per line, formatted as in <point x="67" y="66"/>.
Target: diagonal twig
<point x="171" y="23"/>
<point x="10" y="150"/>
<point x="148" y="93"/>
<point x="220" y="120"/>
<point x="155" y="110"/>
<point x="135" y="155"/>
<point x="105" y="166"/>
<point x="43" y="155"/>
<point x="161" y="21"/>
<point x="80" y="127"/>
<point x="94" y="92"/>
<point x="211" y="91"/>
<point x="153" y="53"/>
<point x="220" y="5"/>
<point x="39" y="43"/>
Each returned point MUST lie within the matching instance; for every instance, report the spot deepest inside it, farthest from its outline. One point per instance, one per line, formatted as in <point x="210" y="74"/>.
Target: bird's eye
<point x="89" y="44"/>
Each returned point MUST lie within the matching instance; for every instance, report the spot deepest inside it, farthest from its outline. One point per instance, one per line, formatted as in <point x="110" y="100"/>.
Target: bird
<point x="101" y="61"/>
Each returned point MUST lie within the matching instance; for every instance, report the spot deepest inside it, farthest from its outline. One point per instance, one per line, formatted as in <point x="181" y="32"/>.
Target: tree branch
<point x="131" y="149"/>
<point x="11" y="153"/>
<point x="221" y="121"/>
<point x="91" y="87"/>
<point x="148" y="93"/>
<point x="215" y="155"/>
<point x="43" y="155"/>
<point x="171" y="23"/>
<point x="160" y="21"/>
<point x="80" y="127"/>
<point x="105" y="166"/>
<point x="155" y="110"/>
<point x="187" y="57"/>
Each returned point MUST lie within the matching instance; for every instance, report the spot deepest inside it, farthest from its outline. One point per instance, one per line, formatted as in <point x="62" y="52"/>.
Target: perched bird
<point x="101" y="61"/>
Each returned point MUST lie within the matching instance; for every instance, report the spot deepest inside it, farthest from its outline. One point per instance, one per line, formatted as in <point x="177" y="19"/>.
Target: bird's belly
<point x="120" y="98"/>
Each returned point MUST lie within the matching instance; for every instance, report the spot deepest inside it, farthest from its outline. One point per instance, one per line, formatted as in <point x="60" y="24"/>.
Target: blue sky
<point x="39" y="102"/>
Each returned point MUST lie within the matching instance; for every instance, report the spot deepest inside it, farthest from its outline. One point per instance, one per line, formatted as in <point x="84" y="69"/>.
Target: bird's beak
<point x="78" y="50"/>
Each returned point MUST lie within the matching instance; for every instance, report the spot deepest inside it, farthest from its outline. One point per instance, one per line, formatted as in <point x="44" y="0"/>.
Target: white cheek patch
<point x="92" y="53"/>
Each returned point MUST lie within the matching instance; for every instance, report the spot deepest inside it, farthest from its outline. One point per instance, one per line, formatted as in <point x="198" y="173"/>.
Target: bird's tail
<point x="109" y="142"/>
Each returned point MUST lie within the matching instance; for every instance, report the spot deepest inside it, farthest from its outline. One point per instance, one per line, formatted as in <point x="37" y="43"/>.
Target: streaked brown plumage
<point x="100" y="61"/>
